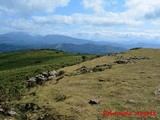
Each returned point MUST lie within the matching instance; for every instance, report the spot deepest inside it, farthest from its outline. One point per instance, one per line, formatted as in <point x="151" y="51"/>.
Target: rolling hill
<point x="120" y="82"/>
<point x="15" y="67"/>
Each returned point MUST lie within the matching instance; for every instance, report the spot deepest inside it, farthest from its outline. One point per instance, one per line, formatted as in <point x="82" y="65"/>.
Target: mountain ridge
<point x="24" y="41"/>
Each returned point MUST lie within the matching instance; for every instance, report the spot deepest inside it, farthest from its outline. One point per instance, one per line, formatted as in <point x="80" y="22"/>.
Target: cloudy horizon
<point x="90" y="19"/>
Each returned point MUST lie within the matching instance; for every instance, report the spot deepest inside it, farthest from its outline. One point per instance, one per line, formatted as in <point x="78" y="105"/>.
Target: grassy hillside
<point x="15" y="67"/>
<point x="128" y="86"/>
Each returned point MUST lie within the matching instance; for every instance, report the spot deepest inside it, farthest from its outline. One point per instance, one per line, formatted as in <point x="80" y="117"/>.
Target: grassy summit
<point x="128" y="86"/>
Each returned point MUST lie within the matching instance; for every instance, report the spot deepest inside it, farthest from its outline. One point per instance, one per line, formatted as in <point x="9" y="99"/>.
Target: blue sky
<point x="110" y="20"/>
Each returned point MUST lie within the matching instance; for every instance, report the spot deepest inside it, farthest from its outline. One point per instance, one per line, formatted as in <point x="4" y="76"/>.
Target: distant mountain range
<point x="23" y="41"/>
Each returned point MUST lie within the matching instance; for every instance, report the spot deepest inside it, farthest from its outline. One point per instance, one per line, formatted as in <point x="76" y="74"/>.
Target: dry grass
<point x="124" y="82"/>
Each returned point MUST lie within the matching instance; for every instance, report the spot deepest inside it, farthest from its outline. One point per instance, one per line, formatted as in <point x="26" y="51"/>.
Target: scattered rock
<point x="46" y="117"/>
<point x="131" y="101"/>
<point x="66" y="74"/>
<point x="6" y="111"/>
<point x="130" y="60"/>
<point x="101" y="80"/>
<point x="157" y="92"/>
<point x="31" y="82"/>
<point x="50" y="77"/>
<point x="33" y="79"/>
<point x="84" y="70"/>
<point x="46" y="74"/>
<point x="11" y="113"/>
<point x="2" y="109"/>
<point x="122" y="61"/>
<point x="105" y="65"/>
<point x="40" y="79"/>
<point x="29" y="107"/>
<point x="93" y="102"/>
<point x="53" y="73"/>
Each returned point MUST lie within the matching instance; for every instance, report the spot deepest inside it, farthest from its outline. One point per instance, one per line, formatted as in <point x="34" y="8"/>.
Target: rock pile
<point x="130" y="60"/>
<point x="6" y="111"/>
<point x="84" y="70"/>
<point x="41" y="78"/>
<point x="97" y="68"/>
<point x="102" y="67"/>
<point x="122" y="61"/>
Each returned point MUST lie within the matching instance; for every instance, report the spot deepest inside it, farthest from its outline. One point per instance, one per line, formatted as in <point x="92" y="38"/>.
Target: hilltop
<point x="113" y="82"/>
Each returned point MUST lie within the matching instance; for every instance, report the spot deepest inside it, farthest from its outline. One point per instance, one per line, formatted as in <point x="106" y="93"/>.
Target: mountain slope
<point x="132" y="85"/>
<point x="124" y="86"/>
<point x="26" y="39"/>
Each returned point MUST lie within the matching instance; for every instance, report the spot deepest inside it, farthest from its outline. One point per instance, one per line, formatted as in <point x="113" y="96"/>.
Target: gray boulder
<point x="50" y="77"/>
<point x="157" y="92"/>
<point x="84" y="70"/>
<point x="93" y="102"/>
<point x="131" y="101"/>
<point x="31" y="82"/>
<point x="45" y="74"/>
<point x="11" y="112"/>
<point x="53" y="73"/>
<point x="122" y="61"/>
<point x="41" y="77"/>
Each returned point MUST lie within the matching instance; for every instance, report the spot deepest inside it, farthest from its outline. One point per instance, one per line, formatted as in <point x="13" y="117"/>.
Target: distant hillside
<point x="9" y="48"/>
<point x="22" y="41"/>
<point x="19" y="38"/>
<point x="88" y="48"/>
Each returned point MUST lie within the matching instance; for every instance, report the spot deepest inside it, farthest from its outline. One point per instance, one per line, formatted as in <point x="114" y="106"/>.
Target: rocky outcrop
<point x="122" y="61"/>
<point x="103" y="67"/>
<point x="97" y="68"/>
<point x="84" y="70"/>
<point x="40" y="79"/>
<point x="130" y="60"/>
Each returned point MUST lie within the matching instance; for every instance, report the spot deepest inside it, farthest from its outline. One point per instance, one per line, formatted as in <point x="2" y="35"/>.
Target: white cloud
<point x="29" y="7"/>
<point x="118" y="24"/>
<point x="96" y="5"/>
<point x="108" y="19"/>
<point x="143" y="8"/>
<point x="56" y="19"/>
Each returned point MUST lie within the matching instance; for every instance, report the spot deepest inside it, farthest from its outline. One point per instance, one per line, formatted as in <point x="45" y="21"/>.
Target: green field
<point x="15" y="67"/>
